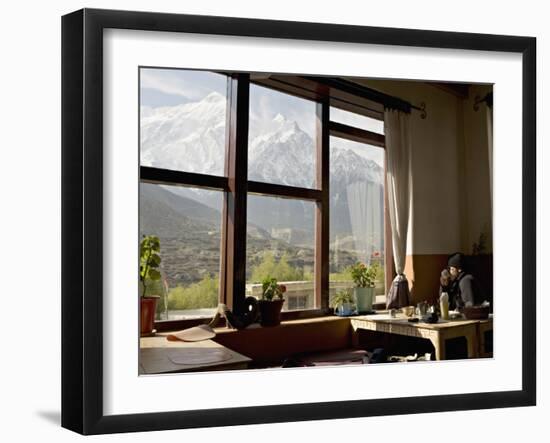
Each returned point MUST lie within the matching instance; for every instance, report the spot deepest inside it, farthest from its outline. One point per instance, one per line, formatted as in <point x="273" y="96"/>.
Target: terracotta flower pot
<point x="270" y="312"/>
<point x="147" y="309"/>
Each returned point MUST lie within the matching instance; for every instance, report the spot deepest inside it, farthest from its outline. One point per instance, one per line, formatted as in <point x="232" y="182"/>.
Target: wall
<point x="272" y="345"/>
<point x="478" y="203"/>
<point x="30" y="79"/>
<point x="450" y="195"/>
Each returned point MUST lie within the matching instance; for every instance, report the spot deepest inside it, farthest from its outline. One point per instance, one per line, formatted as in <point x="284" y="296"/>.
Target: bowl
<point x="476" y="312"/>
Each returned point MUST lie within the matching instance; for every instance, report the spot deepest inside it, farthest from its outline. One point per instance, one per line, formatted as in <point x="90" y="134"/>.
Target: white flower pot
<point x="364" y="298"/>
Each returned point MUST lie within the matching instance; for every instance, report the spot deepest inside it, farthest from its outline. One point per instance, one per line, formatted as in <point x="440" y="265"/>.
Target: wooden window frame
<point x="236" y="187"/>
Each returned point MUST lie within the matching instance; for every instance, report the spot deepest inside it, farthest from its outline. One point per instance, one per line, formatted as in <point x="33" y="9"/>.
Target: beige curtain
<point x="398" y="182"/>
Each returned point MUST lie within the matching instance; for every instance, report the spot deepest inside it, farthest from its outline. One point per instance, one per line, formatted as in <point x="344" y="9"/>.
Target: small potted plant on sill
<point x="149" y="262"/>
<point x="363" y="277"/>
<point x="271" y="302"/>
<point x="343" y="303"/>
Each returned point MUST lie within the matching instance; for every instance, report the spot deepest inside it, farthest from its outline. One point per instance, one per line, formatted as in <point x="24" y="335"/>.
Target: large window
<point x="183" y="120"/>
<point x="357" y="196"/>
<point x="281" y="235"/>
<point x="356" y="211"/>
<point x="182" y="130"/>
<point x="241" y="181"/>
<point x="281" y="141"/>
<point x="281" y="244"/>
<point x="188" y="224"/>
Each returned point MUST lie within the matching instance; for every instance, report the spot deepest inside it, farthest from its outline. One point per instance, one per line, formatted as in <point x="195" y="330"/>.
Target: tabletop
<point x="401" y="319"/>
<point x="160" y="356"/>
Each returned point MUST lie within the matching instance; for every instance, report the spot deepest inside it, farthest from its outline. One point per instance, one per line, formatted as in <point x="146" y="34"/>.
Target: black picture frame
<point x="82" y="155"/>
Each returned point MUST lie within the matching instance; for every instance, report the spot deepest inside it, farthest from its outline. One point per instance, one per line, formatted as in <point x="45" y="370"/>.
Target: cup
<point x="408" y="311"/>
<point x="422" y="308"/>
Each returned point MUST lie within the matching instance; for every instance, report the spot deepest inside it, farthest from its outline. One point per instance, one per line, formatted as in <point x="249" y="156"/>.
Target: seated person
<point x="462" y="287"/>
<point x="445" y="281"/>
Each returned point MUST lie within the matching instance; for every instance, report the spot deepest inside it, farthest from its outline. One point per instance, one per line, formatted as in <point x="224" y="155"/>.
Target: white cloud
<point x="173" y="82"/>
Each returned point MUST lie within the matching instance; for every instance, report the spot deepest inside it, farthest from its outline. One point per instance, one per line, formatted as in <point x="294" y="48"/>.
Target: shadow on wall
<point x="53" y="417"/>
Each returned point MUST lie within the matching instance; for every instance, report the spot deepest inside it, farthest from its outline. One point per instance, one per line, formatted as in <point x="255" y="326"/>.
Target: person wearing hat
<point x="464" y="289"/>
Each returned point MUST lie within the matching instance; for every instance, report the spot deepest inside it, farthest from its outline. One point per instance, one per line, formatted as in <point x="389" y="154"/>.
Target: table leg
<point x="472" y="342"/>
<point x="439" y="345"/>
<point x="354" y="338"/>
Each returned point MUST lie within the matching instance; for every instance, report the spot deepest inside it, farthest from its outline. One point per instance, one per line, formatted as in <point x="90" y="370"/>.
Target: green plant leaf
<point x="149" y="251"/>
<point x="154" y="274"/>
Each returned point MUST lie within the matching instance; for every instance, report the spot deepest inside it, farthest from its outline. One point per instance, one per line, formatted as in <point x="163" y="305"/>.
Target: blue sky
<point x="170" y="87"/>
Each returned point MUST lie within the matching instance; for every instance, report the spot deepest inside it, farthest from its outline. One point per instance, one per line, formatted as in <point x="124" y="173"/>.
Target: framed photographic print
<point x="269" y="221"/>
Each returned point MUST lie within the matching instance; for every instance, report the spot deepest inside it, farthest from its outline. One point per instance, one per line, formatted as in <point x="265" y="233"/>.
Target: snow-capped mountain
<point x="190" y="137"/>
<point x="187" y="137"/>
<point x="346" y="166"/>
<point x="283" y="154"/>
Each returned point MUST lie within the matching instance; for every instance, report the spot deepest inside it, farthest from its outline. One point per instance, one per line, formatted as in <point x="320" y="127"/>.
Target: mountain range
<point x="190" y="137"/>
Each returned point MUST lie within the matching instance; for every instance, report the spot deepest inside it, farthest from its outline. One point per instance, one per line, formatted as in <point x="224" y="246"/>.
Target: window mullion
<point x="234" y="257"/>
<point x="322" y="219"/>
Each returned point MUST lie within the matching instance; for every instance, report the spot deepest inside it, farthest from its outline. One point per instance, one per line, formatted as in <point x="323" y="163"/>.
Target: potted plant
<point x="343" y="302"/>
<point x="363" y="277"/>
<point x="149" y="263"/>
<point x="271" y="302"/>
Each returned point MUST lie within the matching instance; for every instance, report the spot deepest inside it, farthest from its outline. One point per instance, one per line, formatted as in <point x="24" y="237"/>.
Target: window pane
<point x="187" y="222"/>
<point x="280" y="243"/>
<point x="356" y="211"/>
<point x="281" y="142"/>
<point x="182" y="120"/>
<point x="356" y="120"/>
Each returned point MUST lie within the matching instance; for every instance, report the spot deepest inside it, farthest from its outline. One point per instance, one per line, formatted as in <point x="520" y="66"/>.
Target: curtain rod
<point x="488" y="98"/>
<point x="387" y="100"/>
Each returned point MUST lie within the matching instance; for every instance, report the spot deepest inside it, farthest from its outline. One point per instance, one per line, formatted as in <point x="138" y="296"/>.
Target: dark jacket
<point x="464" y="290"/>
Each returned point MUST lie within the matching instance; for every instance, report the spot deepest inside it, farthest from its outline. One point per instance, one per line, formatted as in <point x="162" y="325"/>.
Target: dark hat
<point x="456" y="260"/>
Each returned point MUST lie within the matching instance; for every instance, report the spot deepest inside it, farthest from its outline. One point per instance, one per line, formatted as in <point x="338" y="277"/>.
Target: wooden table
<point x="155" y="352"/>
<point x="437" y="333"/>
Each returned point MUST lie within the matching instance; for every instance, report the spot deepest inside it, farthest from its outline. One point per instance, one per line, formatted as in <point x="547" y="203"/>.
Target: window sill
<point x="284" y="324"/>
<point x="178" y="325"/>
